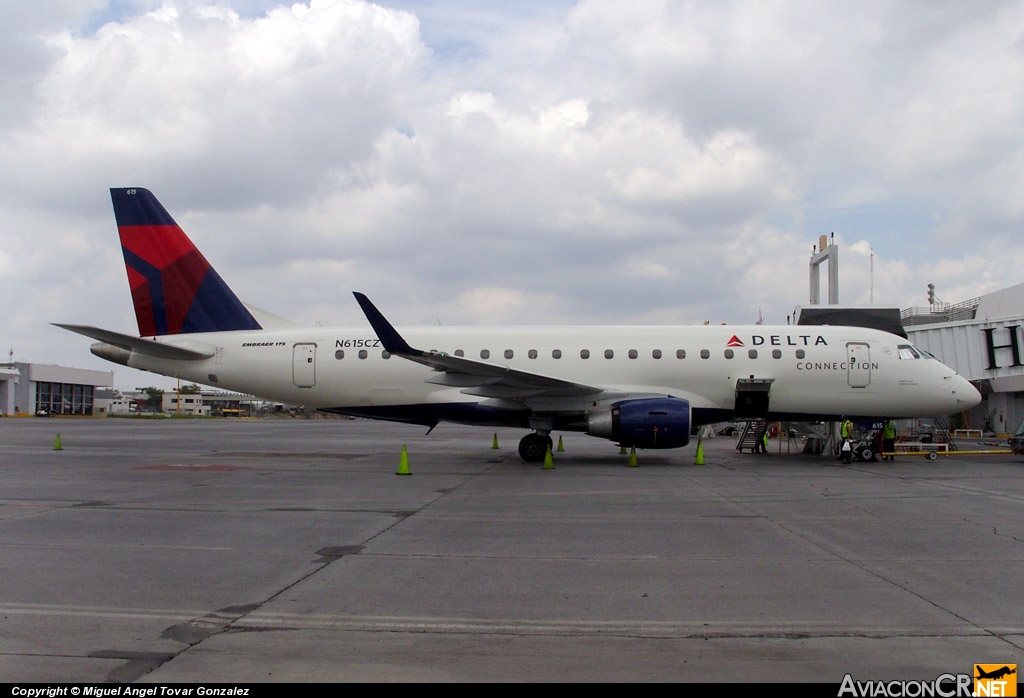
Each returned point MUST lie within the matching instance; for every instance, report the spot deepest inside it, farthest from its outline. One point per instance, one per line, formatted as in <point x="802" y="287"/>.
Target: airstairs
<point x="752" y="434"/>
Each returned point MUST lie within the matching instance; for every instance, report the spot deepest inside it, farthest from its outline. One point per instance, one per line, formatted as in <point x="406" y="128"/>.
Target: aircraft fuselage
<point x="813" y="371"/>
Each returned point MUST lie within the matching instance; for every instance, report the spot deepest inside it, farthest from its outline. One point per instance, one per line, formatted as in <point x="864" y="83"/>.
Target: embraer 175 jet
<point x="640" y="386"/>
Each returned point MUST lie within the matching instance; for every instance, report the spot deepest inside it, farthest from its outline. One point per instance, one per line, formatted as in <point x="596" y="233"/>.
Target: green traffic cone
<point x="403" y="462"/>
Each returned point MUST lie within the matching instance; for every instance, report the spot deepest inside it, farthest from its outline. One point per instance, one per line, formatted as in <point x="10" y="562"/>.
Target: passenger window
<point x="728" y="353"/>
<point x="385" y="355"/>
<point x="339" y="355"/>
<point x="485" y="353"/>
<point x="532" y="353"/>
<point x="633" y="353"/>
<point x="776" y="353"/>
<point x="363" y="354"/>
<point x="656" y="353"/>
<point x="584" y="353"/>
<point x="680" y="353"/>
<point x="800" y="353"/>
<point x="459" y="352"/>
<point x="509" y="353"/>
<point x="752" y="353"/>
<point x="609" y="354"/>
<point x="705" y="354"/>
<point x="556" y="353"/>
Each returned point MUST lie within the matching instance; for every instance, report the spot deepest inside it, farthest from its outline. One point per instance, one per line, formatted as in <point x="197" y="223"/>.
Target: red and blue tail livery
<point x="174" y="288"/>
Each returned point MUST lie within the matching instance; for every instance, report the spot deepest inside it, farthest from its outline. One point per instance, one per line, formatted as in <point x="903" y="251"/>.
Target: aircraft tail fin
<point x="174" y="288"/>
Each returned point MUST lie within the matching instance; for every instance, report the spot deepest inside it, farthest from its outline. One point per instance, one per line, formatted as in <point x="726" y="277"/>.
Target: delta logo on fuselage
<point x="778" y="340"/>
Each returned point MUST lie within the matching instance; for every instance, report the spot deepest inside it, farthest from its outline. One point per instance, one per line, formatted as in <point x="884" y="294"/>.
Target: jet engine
<point x="111" y="352"/>
<point x="660" y="422"/>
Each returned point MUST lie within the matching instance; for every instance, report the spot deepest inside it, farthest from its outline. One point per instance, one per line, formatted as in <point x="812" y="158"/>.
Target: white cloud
<point x="238" y="110"/>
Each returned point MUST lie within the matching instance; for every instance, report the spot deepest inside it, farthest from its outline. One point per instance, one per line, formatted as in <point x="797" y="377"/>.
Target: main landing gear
<point x="533" y="447"/>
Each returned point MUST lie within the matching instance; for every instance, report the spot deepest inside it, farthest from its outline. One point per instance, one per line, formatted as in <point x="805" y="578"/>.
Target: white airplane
<point x="641" y="386"/>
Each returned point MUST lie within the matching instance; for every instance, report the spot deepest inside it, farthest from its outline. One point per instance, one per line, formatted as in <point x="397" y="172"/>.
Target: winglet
<point x="388" y="335"/>
<point x="474" y="377"/>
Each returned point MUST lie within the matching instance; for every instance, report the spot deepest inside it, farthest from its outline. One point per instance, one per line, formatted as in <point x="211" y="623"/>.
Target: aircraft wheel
<point x="866" y="454"/>
<point x="932" y="455"/>
<point x="533" y="446"/>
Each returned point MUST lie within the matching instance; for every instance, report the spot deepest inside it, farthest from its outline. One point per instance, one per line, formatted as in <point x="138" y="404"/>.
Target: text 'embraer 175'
<point x="638" y="386"/>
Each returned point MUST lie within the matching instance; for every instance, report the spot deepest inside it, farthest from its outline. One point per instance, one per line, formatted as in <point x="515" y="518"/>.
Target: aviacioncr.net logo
<point x="943" y="686"/>
<point x="995" y="680"/>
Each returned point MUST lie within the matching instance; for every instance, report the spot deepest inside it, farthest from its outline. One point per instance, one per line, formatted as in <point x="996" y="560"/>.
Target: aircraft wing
<point x="148" y="347"/>
<point x="475" y="377"/>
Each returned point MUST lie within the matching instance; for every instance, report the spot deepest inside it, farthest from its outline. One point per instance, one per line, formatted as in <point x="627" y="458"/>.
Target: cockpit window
<point x="909" y="352"/>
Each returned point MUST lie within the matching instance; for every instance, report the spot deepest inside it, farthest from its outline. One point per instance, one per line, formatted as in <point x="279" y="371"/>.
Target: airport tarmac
<point x="289" y="550"/>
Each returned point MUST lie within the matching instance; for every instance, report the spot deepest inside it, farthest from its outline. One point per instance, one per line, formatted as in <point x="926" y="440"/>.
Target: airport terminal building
<point x="41" y="389"/>
<point x="982" y="339"/>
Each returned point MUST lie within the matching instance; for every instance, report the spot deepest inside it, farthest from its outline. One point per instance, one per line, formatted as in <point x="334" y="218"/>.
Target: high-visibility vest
<point x="889" y="431"/>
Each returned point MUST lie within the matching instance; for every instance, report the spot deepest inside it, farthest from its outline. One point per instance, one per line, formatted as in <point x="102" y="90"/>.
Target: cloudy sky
<point x="536" y="161"/>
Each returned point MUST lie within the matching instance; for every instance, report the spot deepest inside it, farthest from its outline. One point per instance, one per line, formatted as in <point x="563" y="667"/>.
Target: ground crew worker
<point x="846" y="445"/>
<point x="889" y="440"/>
<point x="762" y="444"/>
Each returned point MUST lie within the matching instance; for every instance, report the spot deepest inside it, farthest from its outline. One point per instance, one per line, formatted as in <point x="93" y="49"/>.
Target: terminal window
<point x="63" y="398"/>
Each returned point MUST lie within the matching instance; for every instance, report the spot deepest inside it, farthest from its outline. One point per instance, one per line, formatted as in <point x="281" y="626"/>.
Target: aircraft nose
<point x="965" y="395"/>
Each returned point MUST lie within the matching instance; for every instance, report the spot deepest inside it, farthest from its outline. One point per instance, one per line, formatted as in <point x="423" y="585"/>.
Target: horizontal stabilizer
<point x="139" y="345"/>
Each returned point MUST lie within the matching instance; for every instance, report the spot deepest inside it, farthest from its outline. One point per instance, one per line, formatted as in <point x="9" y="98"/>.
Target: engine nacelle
<point x="658" y="422"/>
<point x="111" y="352"/>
